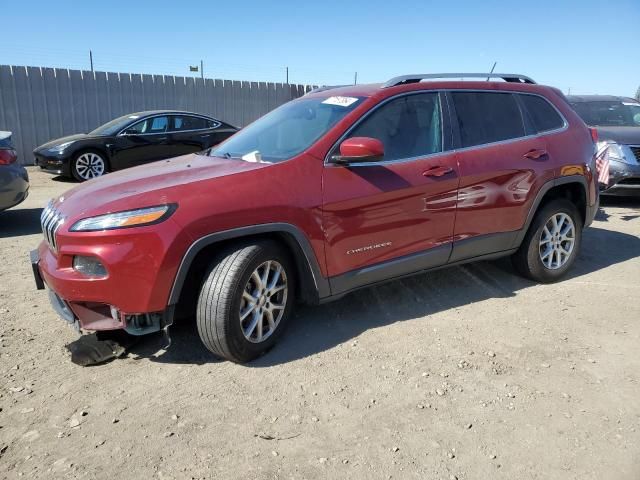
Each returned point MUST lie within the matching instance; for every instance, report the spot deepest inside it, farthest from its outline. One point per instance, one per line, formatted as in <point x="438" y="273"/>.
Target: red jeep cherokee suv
<point x="343" y="188"/>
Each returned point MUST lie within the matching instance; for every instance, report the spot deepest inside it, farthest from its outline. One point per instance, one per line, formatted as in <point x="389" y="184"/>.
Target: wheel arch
<point x="571" y="187"/>
<point x="312" y="284"/>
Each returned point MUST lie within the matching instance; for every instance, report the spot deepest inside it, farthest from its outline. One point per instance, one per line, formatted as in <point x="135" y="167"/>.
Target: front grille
<point x="51" y="220"/>
<point x="636" y="151"/>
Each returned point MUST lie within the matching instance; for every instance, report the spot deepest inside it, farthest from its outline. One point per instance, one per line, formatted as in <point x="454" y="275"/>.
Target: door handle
<point x="437" y="171"/>
<point x="535" y="154"/>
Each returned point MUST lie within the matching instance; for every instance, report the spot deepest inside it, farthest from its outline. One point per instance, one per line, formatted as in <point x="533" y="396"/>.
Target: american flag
<point x="602" y="164"/>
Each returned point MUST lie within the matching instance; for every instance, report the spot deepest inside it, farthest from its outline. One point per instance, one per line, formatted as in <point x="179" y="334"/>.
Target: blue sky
<point x="588" y="46"/>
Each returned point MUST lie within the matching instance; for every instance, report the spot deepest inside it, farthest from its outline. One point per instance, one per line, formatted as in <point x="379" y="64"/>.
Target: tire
<point x="528" y="260"/>
<point x="88" y="164"/>
<point x="223" y="298"/>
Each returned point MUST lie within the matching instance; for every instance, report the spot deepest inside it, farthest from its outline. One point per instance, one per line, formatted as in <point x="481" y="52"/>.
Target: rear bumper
<point x="14" y="185"/>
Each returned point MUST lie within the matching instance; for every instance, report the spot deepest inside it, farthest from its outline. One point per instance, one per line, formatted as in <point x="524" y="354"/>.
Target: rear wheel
<point x="245" y="301"/>
<point x="552" y="243"/>
<point x="88" y="165"/>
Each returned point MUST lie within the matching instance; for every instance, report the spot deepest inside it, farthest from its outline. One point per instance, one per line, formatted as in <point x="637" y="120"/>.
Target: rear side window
<point x="409" y="126"/>
<point x="188" y="122"/>
<point x="541" y="113"/>
<point x="486" y="117"/>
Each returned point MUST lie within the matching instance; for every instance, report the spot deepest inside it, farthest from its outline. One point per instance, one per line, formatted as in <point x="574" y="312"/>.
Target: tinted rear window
<point x="543" y="116"/>
<point x="485" y="117"/>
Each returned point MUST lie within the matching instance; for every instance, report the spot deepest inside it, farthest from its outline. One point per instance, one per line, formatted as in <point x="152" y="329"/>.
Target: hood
<point x="70" y="138"/>
<point x="157" y="183"/>
<point x="621" y="135"/>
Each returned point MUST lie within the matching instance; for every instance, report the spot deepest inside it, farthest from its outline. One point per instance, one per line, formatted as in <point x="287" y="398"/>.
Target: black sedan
<point x="131" y="140"/>
<point x="14" y="181"/>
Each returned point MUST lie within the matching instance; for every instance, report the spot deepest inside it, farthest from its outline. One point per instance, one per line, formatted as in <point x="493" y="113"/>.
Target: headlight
<point x="130" y="218"/>
<point x="60" y="148"/>
<point x="618" y="153"/>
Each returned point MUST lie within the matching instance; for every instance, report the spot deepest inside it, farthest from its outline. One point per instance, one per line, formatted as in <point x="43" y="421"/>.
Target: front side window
<point x="487" y="117"/>
<point x="408" y="127"/>
<point x="149" y="125"/>
<point x="542" y="114"/>
<point x="609" y="113"/>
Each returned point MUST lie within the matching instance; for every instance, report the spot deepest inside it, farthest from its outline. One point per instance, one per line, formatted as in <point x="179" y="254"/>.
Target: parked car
<point x="130" y="140"/>
<point x="617" y="121"/>
<point x="14" y="179"/>
<point x="338" y="190"/>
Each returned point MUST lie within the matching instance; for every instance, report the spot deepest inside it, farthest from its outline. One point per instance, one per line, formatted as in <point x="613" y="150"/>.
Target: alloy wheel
<point x="90" y="165"/>
<point x="263" y="302"/>
<point x="557" y="240"/>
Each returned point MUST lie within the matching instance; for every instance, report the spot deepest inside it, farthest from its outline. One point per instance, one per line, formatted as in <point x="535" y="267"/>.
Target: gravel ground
<point x="467" y="373"/>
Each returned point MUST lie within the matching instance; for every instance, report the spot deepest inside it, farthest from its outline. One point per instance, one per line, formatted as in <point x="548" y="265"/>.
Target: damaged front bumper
<point x="94" y="316"/>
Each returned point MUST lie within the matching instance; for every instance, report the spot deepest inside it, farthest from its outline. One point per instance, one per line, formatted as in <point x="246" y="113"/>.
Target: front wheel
<point x="246" y="301"/>
<point x="552" y="243"/>
<point x="88" y="165"/>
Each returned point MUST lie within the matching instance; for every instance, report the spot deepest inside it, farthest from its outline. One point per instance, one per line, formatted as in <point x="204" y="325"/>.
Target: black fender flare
<point x="309" y="259"/>
<point x="579" y="179"/>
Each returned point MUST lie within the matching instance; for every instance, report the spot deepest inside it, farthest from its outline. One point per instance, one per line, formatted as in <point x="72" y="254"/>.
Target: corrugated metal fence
<point x="41" y="104"/>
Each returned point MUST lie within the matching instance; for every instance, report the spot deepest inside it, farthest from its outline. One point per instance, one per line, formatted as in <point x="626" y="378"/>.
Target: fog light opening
<point x="89" y="266"/>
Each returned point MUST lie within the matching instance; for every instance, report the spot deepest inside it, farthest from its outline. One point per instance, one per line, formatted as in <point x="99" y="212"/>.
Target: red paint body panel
<point x="395" y="206"/>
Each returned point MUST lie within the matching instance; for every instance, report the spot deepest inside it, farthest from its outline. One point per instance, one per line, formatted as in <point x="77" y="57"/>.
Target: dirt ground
<point x="467" y="373"/>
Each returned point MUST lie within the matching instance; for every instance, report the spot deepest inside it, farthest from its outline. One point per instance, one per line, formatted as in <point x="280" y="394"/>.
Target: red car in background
<point x="340" y="189"/>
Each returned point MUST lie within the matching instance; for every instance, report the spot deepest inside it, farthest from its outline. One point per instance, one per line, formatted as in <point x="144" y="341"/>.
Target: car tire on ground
<point x="87" y="165"/>
<point x="552" y="242"/>
<point x="246" y="300"/>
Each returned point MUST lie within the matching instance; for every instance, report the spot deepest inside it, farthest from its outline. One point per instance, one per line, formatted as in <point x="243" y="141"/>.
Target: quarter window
<point x="409" y="126"/>
<point x="487" y="117"/>
<point x="541" y="113"/>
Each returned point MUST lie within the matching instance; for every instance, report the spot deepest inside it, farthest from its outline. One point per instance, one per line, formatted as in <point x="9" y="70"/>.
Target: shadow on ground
<point x="631" y="203"/>
<point x="319" y="328"/>
<point x="61" y="179"/>
<point x="19" y="222"/>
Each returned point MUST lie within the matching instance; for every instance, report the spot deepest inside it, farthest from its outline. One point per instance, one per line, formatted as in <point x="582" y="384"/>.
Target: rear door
<point x="393" y="208"/>
<point x="191" y="133"/>
<point x="502" y="163"/>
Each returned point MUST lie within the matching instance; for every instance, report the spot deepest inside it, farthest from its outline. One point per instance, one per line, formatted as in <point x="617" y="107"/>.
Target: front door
<point x="143" y="142"/>
<point x="394" y="216"/>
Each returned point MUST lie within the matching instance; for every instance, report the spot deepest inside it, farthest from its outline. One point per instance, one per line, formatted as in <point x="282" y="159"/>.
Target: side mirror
<point x="359" y="150"/>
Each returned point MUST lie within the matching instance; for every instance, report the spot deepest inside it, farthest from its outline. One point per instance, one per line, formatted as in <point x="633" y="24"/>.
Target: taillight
<point x="594" y="134"/>
<point x="7" y="156"/>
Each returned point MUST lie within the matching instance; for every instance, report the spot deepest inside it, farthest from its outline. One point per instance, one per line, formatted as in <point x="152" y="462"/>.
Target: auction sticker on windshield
<point x="340" y="101"/>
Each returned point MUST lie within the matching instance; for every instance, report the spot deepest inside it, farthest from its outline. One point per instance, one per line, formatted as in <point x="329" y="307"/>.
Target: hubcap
<point x="557" y="240"/>
<point x="89" y="165"/>
<point x="263" y="301"/>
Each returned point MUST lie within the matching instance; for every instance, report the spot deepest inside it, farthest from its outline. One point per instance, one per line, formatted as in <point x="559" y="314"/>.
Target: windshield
<point x="287" y="130"/>
<point x="114" y="126"/>
<point x="609" y="114"/>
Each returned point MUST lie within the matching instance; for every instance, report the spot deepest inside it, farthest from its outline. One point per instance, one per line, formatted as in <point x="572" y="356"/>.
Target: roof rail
<point x="323" y="88"/>
<point x="507" y="77"/>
